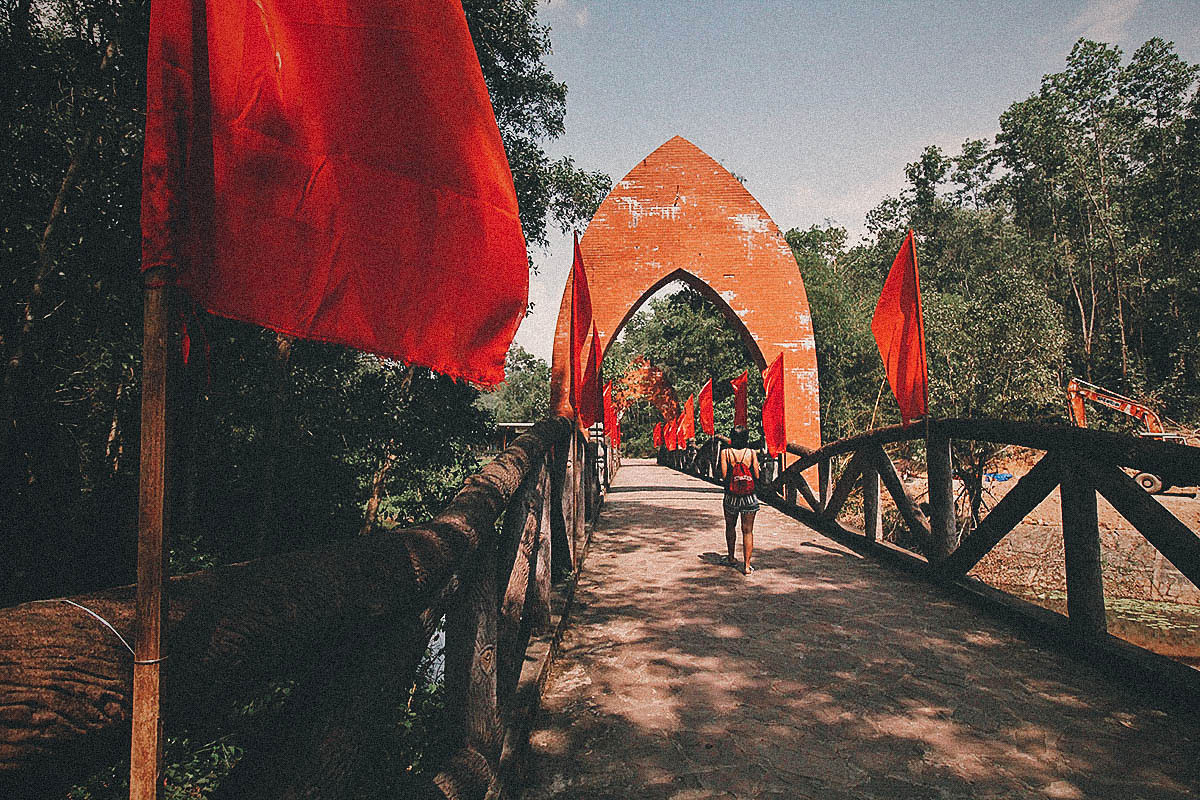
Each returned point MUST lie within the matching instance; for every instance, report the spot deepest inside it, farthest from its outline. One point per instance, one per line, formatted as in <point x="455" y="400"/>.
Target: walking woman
<point x="738" y="465"/>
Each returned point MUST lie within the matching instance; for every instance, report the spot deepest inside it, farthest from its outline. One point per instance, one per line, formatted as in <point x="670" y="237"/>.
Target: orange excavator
<point x="1078" y="391"/>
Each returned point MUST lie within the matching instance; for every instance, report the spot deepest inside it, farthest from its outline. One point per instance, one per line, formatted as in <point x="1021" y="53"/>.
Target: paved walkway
<point x="822" y="675"/>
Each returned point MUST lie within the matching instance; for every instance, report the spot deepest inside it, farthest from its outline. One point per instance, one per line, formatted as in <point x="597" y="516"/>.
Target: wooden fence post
<point x="561" y="524"/>
<point x="474" y="720"/>
<point x="823" y="481"/>
<point x="943" y="526"/>
<point x="1081" y="541"/>
<point x="516" y="572"/>
<point x="872" y="517"/>
<point x="539" y="614"/>
<point x="578" y="496"/>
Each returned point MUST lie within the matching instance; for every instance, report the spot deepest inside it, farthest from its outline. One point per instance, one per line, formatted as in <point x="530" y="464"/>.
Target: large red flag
<point x="900" y="333"/>
<point x="658" y="438"/>
<point x="589" y="395"/>
<point x="688" y="427"/>
<point x="739" y="397"/>
<point x="774" y="431"/>
<point x="334" y="171"/>
<point x="670" y="433"/>
<point x="706" y="409"/>
<point x="581" y="319"/>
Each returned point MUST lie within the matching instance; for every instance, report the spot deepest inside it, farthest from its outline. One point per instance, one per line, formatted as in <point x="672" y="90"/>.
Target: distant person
<point x="689" y="455"/>
<point x="738" y="465"/>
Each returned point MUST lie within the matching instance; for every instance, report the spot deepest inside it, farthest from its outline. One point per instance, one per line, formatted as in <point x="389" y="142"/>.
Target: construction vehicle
<point x="1078" y="391"/>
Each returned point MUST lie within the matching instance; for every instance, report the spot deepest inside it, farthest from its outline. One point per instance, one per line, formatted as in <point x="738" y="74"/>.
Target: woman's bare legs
<point x="731" y="518"/>
<point x="747" y="539"/>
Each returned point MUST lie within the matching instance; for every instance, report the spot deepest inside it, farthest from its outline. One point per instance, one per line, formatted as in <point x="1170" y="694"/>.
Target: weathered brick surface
<point x="679" y="215"/>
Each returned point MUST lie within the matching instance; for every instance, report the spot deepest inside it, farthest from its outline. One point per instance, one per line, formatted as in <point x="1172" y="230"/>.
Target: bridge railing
<point x="1081" y="463"/>
<point x="349" y="622"/>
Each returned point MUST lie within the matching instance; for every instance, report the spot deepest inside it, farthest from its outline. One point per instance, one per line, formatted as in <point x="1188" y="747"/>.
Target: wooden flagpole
<point x="147" y="738"/>
<point x="939" y="468"/>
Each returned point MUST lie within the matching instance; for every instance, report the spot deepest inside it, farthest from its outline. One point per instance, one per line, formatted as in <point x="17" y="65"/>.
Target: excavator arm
<point x="1078" y="391"/>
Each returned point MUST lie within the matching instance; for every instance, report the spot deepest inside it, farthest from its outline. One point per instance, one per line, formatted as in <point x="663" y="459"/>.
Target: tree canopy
<point x="1069" y="245"/>
<point x="284" y="442"/>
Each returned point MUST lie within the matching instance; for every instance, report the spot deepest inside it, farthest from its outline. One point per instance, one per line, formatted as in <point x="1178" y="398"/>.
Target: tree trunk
<point x="113" y="447"/>
<point x="33" y="302"/>
<point x="385" y="466"/>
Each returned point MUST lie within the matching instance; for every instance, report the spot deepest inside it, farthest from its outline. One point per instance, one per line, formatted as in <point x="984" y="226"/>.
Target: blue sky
<point x="819" y="105"/>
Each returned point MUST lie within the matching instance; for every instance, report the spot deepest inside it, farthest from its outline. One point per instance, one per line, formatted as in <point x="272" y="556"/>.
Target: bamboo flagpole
<point x="147" y="736"/>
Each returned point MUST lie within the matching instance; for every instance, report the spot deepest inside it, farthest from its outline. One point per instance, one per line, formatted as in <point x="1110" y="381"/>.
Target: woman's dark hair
<point x="739" y="437"/>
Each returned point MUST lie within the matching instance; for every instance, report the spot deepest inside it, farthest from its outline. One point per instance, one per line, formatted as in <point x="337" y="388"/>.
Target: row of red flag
<point x="899" y="330"/>
<point x="674" y="434"/>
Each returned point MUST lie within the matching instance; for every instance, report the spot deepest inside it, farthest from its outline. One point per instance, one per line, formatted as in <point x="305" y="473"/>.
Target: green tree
<point x="1096" y="164"/>
<point x="842" y="288"/>
<point x="524" y="396"/>
<point x="530" y="108"/>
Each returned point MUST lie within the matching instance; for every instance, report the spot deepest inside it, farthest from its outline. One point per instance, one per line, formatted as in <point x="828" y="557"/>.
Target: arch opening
<point x="682" y="276"/>
<point x="675" y="341"/>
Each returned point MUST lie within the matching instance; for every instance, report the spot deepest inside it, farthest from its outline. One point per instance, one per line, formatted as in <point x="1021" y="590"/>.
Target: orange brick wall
<point x="679" y="215"/>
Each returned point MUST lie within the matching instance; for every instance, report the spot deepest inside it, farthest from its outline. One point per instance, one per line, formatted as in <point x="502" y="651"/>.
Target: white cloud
<point x="1104" y="20"/>
<point x="570" y="10"/>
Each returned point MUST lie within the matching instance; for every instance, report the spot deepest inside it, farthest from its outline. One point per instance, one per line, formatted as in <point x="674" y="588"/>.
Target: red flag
<point x="612" y="425"/>
<point x="610" y="419"/>
<point x="900" y="333"/>
<point x="739" y="397"/>
<point x="334" y="171"/>
<point x="589" y="400"/>
<point x="774" y="431"/>
<point x="670" y="433"/>
<point x="658" y="437"/>
<point x="680" y="439"/>
<point x="706" y="409"/>
<point x="581" y="318"/>
<point x="688" y="427"/>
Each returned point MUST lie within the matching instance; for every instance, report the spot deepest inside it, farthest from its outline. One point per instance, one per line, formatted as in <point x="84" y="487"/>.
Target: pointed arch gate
<point x="680" y="215"/>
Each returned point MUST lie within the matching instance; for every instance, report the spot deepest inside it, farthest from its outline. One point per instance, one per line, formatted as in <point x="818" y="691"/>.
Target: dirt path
<point x="822" y="675"/>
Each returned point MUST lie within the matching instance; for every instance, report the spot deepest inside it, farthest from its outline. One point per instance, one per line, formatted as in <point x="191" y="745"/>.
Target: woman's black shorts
<point x="740" y="503"/>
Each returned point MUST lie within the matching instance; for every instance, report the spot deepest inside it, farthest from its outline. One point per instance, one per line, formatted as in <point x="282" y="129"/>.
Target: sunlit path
<point x="822" y="675"/>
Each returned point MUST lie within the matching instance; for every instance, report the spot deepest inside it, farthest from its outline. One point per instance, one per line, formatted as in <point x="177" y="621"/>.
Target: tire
<point x="1149" y="481"/>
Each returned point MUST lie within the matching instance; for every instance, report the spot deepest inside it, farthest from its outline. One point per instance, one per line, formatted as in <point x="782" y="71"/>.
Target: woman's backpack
<point x="741" y="478"/>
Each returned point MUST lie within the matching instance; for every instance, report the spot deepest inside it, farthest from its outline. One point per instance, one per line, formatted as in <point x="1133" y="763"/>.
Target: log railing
<point x="349" y="621"/>
<point x="1080" y="462"/>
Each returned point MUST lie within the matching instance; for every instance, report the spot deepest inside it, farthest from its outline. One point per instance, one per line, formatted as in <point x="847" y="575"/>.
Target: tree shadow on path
<point x="821" y="675"/>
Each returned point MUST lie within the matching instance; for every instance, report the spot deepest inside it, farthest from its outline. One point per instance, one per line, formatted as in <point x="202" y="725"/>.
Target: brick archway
<point x="679" y="215"/>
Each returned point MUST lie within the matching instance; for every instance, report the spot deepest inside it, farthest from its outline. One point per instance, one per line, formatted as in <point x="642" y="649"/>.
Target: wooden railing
<point x="350" y="622"/>
<point x="1080" y="462"/>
